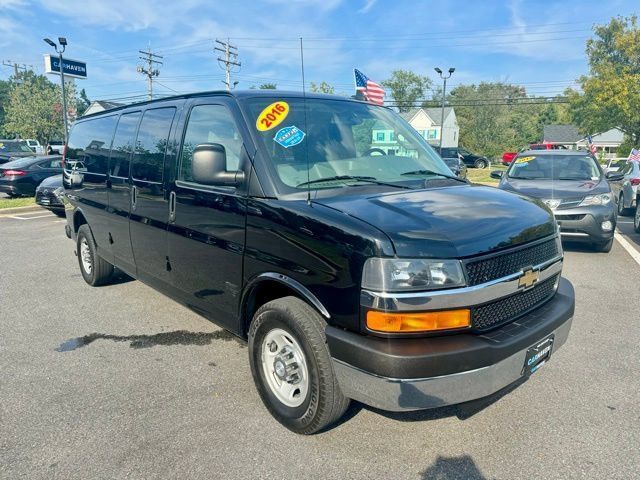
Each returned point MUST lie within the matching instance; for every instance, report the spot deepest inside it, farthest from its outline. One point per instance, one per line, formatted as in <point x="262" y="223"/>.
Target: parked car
<point x="12" y="149"/>
<point x="508" y="157"/>
<point x="55" y="146"/>
<point x="573" y="186"/>
<point x="35" y="146"/>
<point x="50" y="195"/>
<point x="22" y="176"/>
<point x="615" y="164"/>
<point x="626" y="187"/>
<point x="636" y="217"/>
<point x="380" y="278"/>
<point x="457" y="166"/>
<point x="469" y="159"/>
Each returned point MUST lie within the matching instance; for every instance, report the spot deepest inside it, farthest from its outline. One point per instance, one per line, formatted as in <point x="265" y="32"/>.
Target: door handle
<point x="172" y="206"/>
<point x="134" y="197"/>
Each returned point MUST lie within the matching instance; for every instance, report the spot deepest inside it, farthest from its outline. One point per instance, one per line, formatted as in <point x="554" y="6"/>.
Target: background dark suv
<point x="469" y="159"/>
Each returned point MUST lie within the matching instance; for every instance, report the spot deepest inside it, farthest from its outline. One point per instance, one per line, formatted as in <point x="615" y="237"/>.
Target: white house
<point x="427" y="122"/>
<point x="100" y="106"/>
<point x="606" y="142"/>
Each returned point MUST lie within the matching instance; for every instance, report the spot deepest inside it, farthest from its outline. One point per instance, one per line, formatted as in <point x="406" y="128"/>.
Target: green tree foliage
<point x="268" y="86"/>
<point x="34" y="109"/>
<point x="82" y="103"/>
<point x="5" y="90"/>
<point x="322" y="87"/>
<point x="611" y="92"/>
<point x="407" y="88"/>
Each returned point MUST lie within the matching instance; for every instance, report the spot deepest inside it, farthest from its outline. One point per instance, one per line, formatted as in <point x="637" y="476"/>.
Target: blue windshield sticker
<point x="289" y="136"/>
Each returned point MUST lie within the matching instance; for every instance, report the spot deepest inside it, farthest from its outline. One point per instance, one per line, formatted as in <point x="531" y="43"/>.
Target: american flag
<point x="634" y="156"/>
<point x="592" y="147"/>
<point x="371" y="91"/>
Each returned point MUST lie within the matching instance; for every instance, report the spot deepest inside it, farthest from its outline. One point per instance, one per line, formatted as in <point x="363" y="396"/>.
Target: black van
<point x="354" y="272"/>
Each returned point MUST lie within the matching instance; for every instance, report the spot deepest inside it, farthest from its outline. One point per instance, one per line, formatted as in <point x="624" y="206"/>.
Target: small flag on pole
<point x="371" y="91"/>
<point x="592" y="147"/>
<point x="634" y="156"/>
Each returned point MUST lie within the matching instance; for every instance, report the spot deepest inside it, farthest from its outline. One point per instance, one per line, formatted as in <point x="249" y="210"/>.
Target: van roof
<point x="269" y="93"/>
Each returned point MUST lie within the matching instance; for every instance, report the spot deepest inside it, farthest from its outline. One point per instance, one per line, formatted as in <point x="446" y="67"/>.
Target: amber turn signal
<point x="392" y="322"/>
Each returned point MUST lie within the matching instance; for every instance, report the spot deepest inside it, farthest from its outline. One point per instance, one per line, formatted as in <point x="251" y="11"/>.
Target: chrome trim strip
<point x="573" y="234"/>
<point x="401" y="394"/>
<point x="456" y="297"/>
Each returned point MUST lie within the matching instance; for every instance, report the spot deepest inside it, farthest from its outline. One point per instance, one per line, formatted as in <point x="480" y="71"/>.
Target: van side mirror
<point x="209" y="166"/>
<point x="496" y="174"/>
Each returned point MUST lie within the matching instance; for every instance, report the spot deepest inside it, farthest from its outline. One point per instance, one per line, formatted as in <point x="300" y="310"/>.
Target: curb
<point x="27" y="209"/>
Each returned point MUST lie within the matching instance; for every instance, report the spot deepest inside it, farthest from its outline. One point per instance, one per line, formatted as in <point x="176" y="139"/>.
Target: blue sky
<point x="539" y="44"/>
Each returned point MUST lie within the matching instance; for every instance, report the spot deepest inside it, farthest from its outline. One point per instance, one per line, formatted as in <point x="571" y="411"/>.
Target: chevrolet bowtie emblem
<point x="528" y="278"/>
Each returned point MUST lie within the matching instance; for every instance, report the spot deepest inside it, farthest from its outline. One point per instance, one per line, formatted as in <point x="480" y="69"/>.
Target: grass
<point x="6" y="202"/>
<point x="477" y="175"/>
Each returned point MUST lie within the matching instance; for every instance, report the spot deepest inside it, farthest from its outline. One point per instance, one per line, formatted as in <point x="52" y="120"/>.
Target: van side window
<point x="123" y="144"/>
<point x="151" y="143"/>
<point x="210" y="124"/>
<point x="89" y="142"/>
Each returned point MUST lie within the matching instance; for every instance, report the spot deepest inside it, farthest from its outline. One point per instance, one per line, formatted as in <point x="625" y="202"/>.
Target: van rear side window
<point x="89" y="143"/>
<point x="123" y="143"/>
<point x="151" y="144"/>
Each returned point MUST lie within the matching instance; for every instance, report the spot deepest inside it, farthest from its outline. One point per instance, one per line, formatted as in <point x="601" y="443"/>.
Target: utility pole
<point x="149" y="70"/>
<point x="63" y="46"/>
<point x="16" y="66"/>
<point x="230" y="59"/>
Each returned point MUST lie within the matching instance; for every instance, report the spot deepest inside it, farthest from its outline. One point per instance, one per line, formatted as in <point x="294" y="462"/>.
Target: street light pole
<point x="63" y="45"/>
<point x="444" y="92"/>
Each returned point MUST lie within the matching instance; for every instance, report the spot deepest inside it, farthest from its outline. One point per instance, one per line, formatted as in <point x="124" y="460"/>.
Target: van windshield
<point x="340" y="144"/>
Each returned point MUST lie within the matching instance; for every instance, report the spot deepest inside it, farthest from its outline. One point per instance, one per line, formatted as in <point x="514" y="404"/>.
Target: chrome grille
<point x="506" y="263"/>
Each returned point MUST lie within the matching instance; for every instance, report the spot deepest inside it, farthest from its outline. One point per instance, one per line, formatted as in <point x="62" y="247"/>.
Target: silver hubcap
<point x="85" y="256"/>
<point x="285" y="367"/>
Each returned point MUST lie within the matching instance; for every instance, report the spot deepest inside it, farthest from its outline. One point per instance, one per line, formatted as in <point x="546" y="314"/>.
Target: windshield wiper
<point x="352" y="177"/>
<point x="574" y="178"/>
<point x="432" y="172"/>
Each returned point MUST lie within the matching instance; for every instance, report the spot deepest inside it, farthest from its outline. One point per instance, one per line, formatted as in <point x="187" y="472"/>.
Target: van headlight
<point x="601" y="199"/>
<point x="403" y="274"/>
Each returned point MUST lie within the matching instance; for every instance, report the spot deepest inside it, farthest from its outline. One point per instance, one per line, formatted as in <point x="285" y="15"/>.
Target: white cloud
<point x="367" y="6"/>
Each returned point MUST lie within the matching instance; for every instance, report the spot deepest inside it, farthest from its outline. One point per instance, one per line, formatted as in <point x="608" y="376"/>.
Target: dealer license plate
<point x="538" y="355"/>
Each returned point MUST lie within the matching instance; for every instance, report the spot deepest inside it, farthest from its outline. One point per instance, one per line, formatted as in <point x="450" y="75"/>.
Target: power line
<point x="230" y="59"/>
<point x="149" y="71"/>
<point x="16" y="66"/>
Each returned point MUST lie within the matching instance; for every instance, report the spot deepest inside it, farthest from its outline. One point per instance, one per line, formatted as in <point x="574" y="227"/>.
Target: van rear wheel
<point x="292" y="368"/>
<point x="95" y="270"/>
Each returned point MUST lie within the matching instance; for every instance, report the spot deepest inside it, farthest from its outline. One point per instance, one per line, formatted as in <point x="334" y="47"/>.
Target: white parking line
<point x="628" y="247"/>
<point x="16" y="217"/>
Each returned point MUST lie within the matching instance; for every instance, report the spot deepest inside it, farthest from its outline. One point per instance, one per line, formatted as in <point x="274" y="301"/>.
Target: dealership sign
<point x="71" y="68"/>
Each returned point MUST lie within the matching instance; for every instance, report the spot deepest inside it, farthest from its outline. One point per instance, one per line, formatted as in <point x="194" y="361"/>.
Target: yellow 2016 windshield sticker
<point x="272" y="116"/>
<point x="524" y="159"/>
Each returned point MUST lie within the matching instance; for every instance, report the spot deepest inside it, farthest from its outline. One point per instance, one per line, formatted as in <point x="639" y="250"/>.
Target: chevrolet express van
<point x="327" y="233"/>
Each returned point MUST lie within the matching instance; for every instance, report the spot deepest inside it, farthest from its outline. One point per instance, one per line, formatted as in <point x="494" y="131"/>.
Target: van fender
<point x="289" y="282"/>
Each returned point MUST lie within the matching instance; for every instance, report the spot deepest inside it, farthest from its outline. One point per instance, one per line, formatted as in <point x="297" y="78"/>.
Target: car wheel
<point x="636" y="217"/>
<point x="622" y="211"/>
<point x="480" y="163"/>
<point x="603" y="247"/>
<point x="95" y="270"/>
<point x="292" y="368"/>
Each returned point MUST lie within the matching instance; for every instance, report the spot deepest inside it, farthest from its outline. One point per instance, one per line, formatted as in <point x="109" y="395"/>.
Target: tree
<point x="268" y="86"/>
<point x="407" y="88"/>
<point x="5" y="90"/>
<point x="34" y="109"/>
<point x="611" y="96"/>
<point x="82" y="102"/>
<point x="322" y="87"/>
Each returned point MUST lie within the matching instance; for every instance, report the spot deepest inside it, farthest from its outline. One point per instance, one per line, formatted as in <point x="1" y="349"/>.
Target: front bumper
<point x="584" y="224"/>
<point x="421" y="373"/>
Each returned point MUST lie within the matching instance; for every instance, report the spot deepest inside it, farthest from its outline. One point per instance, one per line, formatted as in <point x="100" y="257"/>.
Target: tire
<point x="480" y="163"/>
<point x="95" y="270"/>
<point x="636" y="217"/>
<point x="603" y="247"/>
<point x="623" y="212"/>
<point x="308" y="399"/>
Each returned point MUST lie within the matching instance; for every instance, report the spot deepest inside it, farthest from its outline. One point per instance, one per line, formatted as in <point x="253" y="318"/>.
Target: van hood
<point x="450" y="222"/>
<point x="558" y="189"/>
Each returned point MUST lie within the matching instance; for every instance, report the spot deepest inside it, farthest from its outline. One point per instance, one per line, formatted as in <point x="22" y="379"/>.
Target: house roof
<point x="434" y="113"/>
<point x="107" y="105"/>
<point x="561" y="134"/>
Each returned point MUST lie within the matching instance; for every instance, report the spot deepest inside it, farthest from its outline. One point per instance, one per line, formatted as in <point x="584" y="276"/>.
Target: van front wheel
<point x="292" y="368"/>
<point x="95" y="270"/>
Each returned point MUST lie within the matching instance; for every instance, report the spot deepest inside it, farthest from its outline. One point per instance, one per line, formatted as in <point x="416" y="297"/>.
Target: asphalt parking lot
<point x="121" y="382"/>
